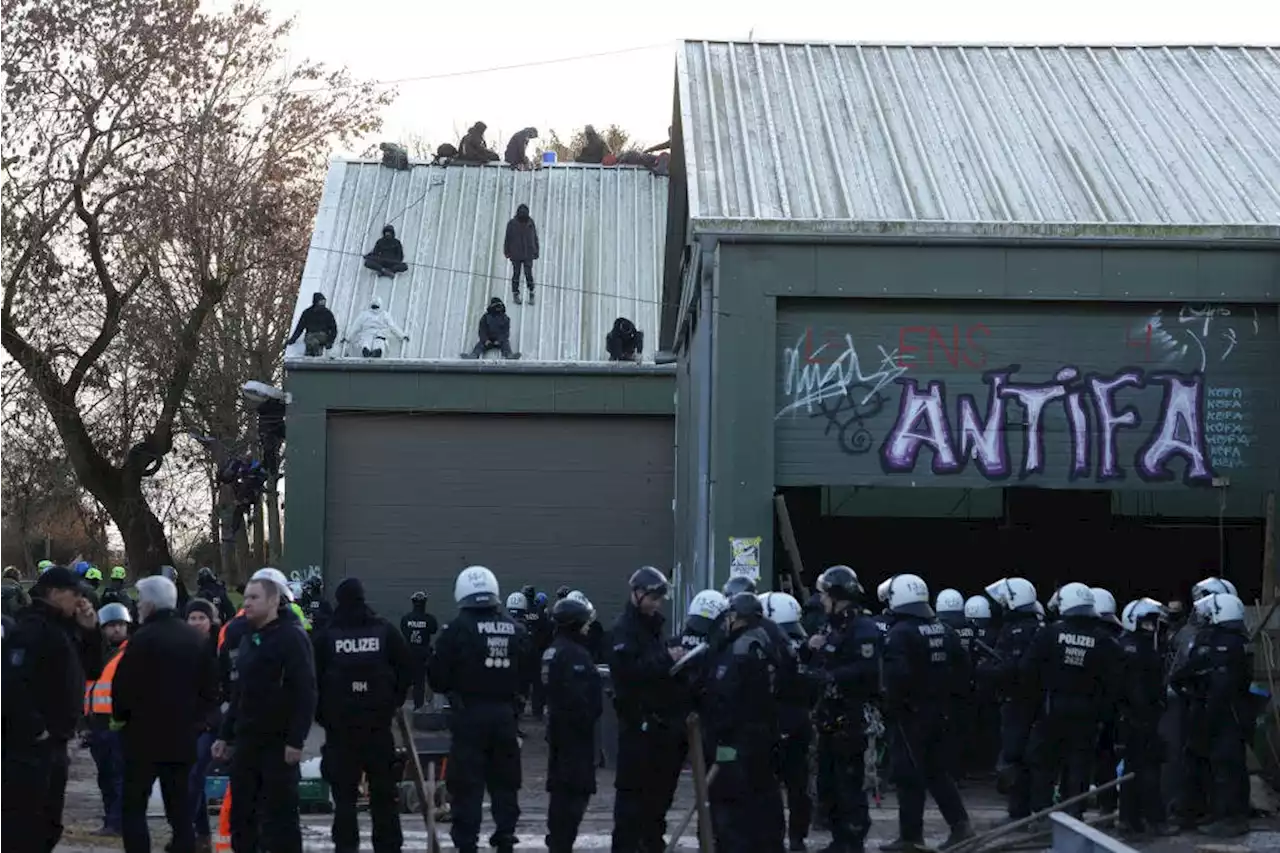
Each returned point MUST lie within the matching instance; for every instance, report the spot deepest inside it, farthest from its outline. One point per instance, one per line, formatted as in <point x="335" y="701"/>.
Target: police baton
<point x="696" y="652"/>
<point x="988" y="651"/>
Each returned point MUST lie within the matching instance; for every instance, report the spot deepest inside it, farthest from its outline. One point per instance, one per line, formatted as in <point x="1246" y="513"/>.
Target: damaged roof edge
<point x="490" y="366"/>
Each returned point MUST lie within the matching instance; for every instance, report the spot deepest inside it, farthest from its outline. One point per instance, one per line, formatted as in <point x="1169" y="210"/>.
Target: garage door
<point x="413" y="499"/>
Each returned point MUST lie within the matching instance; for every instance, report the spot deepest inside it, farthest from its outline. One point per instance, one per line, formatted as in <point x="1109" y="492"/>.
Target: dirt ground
<point x="83" y="815"/>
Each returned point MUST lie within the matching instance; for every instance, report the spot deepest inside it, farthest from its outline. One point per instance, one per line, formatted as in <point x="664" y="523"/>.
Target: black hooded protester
<point x="54" y="647"/>
<point x="515" y="155"/>
<point x="472" y="148"/>
<point x="319" y="325"/>
<point x="387" y="257"/>
<point x="363" y="672"/>
<point x="594" y="149"/>
<point x="494" y="332"/>
<point x="624" y="342"/>
<point x="214" y="591"/>
<point x="520" y="246"/>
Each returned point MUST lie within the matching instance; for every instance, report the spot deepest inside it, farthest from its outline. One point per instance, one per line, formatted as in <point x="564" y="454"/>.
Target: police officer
<point x="1142" y="702"/>
<point x="479" y="662"/>
<point x="847" y="658"/>
<point x="1216" y="678"/>
<point x="986" y="706"/>
<point x="926" y="671"/>
<point x="418" y="627"/>
<point x="518" y="605"/>
<point x="741" y="729"/>
<point x="1000" y="673"/>
<point x="649" y="702"/>
<point x="703" y="620"/>
<point x="737" y="584"/>
<point x="541" y="633"/>
<point x="796" y="697"/>
<point x="574" y="705"/>
<point x="595" y="631"/>
<point x="949" y="608"/>
<point x="1074" y="666"/>
<point x="313" y="603"/>
<point x="1106" y="759"/>
<point x="272" y="703"/>
<point x="56" y="646"/>
<point x="364" y="669"/>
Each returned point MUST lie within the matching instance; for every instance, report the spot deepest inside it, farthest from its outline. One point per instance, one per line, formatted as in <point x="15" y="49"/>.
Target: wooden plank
<point x="1269" y="550"/>
<point x="792" y="548"/>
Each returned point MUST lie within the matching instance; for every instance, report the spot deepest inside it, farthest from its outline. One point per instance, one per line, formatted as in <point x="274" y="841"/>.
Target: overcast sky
<point x="397" y="39"/>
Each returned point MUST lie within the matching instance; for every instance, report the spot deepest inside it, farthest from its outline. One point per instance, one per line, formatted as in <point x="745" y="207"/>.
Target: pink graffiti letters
<point x="1178" y="430"/>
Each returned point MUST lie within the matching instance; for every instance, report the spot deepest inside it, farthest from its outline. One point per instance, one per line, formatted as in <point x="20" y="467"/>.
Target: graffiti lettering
<point x="970" y="351"/>
<point x="807" y="382"/>
<point x="1178" y="431"/>
<point x="1200" y="335"/>
<point x="1228" y="431"/>
<point x="304" y="575"/>
<point x="848" y="415"/>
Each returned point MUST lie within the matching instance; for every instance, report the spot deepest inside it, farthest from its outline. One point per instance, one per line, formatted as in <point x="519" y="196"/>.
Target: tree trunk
<point x="145" y="542"/>
<point x="259" y="535"/>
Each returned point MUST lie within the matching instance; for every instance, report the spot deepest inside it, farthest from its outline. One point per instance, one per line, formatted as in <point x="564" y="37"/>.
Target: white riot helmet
<point x="1211" y="585"/>
<point x="882" y="591"/>
<point x="295" y="590"/>
<point x="274" y="576"/>
<point x="114" y="612"/>
<point x="1039" y="610"/>
<point x="476" y="587"/>
<point x="908" y="594"/>
<point x="1104" y="604"/>
<point x="784" y="611"/>
<point x="579" y="596"/>
<point x="949" y="601"/>
<point x="1013" y="594"/>
<point x="1076" y="599"/>
<point x="977" y="607"/>
<point x="705" y="611"/>
<point x="1139" y="609"/>
<point x="517" y="603"/>
<point x="1223" y="607"/>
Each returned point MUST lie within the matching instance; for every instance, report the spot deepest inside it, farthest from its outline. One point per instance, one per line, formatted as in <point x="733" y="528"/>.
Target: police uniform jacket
<point x="364" y="670"/>
<point x="1217" y="675"/>
<point x="418" y="627"/>
<point x="481" y="656"/>
<point x="1143" y="698"/>
<point x="644" y="691"/>
<point x="925" y="666"/>
<point x="850" y="661"/>
<point x="742" y="708"/>
<point x="274" y="694"/>
<point x="1075" y="665"/>
<point x="1000" y="673"/>
<point x="46" y="662"/>
<point x="574" y="704"/>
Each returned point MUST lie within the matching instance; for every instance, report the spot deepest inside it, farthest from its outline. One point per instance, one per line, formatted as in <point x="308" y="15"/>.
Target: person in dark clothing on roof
<point x="594" y="148"/>
<point x="516" y="155"/>
<point x="625" y="342"/>
<point x="55" y="647"/>
<point x="472" y="148"/>
<point x="495" y="332"/>
<point x="387" y="257"/>
<point x="318" y="324"/>
<point x="272" y="703"/>
<point x="521" y="248"/>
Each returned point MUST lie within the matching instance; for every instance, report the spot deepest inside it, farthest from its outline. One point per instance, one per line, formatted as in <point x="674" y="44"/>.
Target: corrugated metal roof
<point x="1012" y="140"/>
<point x="601" y="232"/>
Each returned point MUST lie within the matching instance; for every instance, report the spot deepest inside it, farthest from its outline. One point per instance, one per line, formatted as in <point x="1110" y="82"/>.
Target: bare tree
<point x="617" y="140"/>
<point x="156" y="158"/>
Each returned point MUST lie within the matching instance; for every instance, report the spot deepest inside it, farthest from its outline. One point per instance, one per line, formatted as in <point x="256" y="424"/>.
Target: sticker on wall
<point x="744" y="557"/>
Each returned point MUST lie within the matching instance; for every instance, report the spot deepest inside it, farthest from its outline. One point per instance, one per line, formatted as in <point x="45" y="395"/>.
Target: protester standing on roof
<point x="319" y="325"/>
<point x="520" y="246"/>
<point x="266" y="723"/>
<point x="55" y="648"/>
<point x="164" y="689"/>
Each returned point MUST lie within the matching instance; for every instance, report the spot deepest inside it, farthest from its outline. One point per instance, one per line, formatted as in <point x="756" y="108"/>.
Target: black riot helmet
<point x="649" y="581"/>
<point x="745" y="604"/>
<point x="206" y="574"/>
<point x="314" y="585"/>
<point x="840" y="583"/>
<point x="738" y="584"/>
<point x="418" y="597"/>
<point x="529" y="591"/>
<point x="562" y="592"/>
<point x="570" y="613"/>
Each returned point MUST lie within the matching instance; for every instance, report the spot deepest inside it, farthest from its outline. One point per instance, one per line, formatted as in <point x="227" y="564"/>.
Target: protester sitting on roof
<point x="472" y="148"/>
<point x="394" y="156"/>
<point x="370" y="329"/>
<point x="387" y="257"/>
<point x="594" y="148"/>
<point x="516" y="155"/>
<point x="445" y="155"/>
<point x="318" y="324"/>
<point x="657" y="165"/>
<point x="520" y="246"/>
<point x="495" y="332"/>
<point x="625" y="342"/>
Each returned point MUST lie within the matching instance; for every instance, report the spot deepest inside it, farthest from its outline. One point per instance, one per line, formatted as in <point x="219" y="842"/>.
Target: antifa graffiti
<point x="1177" y="432"/>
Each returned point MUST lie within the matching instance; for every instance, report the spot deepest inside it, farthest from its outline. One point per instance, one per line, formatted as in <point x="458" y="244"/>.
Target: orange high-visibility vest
<point x="223" y="839"/>
<point x="97" y="694"/>
<point x="222" y="633"/>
